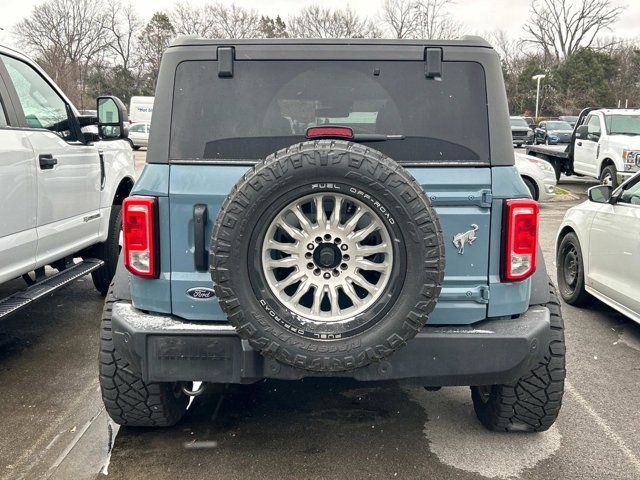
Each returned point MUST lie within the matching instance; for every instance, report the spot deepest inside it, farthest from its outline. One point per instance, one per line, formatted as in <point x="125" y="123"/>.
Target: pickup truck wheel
<point x="609" y="176"/>
<point x="556" y="168"/>
<point x="571" y="271"/>
<point x="327" y="256"/>
<point x="532" y="187"/>
<point x="533" y="402"/>
<point x="127" y="398"/>
<point x="109" y="252"/>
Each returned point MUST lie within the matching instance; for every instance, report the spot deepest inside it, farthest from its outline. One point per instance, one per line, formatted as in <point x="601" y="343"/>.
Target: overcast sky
<point x="478" y="15"/>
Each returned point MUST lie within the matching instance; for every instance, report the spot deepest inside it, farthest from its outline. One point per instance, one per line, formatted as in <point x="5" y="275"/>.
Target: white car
<point x="139" y="135"/>
<point x="598" y="249"/>
<point x="538" y="175"/>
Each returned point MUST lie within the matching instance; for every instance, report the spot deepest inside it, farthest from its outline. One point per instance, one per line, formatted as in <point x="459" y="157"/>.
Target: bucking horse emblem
<point x="461" y="239"/>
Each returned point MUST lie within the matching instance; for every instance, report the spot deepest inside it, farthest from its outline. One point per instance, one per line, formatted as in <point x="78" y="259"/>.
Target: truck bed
<point x="556" y="151"/>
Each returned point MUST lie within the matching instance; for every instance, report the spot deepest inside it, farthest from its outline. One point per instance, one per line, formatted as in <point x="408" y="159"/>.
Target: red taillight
<point x="520" y="239"/>
<point x="329" y="132"/>
<point x="139" y="235"/>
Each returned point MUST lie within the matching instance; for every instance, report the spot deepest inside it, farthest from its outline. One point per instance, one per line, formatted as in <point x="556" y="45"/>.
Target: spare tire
<point x="327" y="256"/>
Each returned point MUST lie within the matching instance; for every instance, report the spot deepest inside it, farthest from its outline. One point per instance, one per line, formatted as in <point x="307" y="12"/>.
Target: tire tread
<point x="127" y="398"/>
<point x="533" y="403"/>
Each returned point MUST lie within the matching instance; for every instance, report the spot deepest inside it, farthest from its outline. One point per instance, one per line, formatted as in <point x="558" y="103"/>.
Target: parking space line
<point x="608" y="431"/>
<point x="74" y="441"/>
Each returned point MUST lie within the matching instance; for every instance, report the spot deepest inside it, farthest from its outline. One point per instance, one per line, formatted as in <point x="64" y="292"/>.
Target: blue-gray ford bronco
<point x="332" y="209"/>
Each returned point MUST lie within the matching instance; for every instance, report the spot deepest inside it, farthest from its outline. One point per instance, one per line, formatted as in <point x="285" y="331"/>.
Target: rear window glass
<point x="268" y="105"/>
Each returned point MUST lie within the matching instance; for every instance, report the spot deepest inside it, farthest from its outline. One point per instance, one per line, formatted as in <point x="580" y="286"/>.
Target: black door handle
<point x="47" y="162"/>
<point x="579" y="144"/>
<point x="201" y="256"/>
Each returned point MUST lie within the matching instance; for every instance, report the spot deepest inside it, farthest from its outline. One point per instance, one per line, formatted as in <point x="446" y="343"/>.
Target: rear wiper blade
<point x="376" y="137"/>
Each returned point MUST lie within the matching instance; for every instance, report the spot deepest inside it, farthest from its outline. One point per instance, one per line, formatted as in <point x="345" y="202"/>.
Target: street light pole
<point x="538" y="78"/>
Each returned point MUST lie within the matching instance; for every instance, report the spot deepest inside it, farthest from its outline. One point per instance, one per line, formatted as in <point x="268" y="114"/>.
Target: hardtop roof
<point x="465" y="41"/>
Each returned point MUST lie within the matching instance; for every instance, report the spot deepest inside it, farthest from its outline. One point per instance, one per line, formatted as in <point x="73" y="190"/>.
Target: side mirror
<point x="600" y="193"/>
<point x="582" y="131"/>
<point x="112" y="118"/>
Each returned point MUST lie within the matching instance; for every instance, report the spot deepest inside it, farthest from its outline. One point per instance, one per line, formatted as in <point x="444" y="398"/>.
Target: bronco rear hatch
<point x="424" y="107"/>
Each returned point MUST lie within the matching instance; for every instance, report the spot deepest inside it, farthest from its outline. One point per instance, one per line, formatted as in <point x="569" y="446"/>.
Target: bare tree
<point x="400" y="16"/>
<point x="509" y="49"/>
<point x="318" y="22"/>
<point x="215" y="20"/>
<point x="124" y="26"/>
<point x="234" y="21"/>
<point x="66" y="36"/>
<point x="189" y="20"/>
<point x="435" y="21"/>
<point x="420" y="19"/>
<point x="562" y="27"/>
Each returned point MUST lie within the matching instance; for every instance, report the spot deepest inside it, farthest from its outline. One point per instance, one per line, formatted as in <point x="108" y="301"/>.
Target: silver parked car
<point x="139" y="135"/>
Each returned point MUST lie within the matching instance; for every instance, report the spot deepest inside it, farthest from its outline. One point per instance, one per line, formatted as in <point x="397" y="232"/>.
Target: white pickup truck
<point x="605" y="144"/>
<point x="63" y="177"/>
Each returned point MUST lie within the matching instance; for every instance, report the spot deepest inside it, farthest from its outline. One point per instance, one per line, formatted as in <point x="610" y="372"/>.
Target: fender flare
<point x="122" y="282"/>
<point x="539" y="283"/>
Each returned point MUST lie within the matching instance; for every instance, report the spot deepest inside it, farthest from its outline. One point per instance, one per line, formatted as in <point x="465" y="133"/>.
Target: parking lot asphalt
<point x="54" y="426"/>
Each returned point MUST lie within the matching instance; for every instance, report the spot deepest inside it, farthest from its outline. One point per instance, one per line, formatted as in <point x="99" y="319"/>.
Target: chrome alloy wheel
<point x="327" y="257"/>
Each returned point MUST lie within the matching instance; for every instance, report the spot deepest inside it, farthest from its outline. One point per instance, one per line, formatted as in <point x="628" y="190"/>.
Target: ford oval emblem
<point x="201" y="293"/>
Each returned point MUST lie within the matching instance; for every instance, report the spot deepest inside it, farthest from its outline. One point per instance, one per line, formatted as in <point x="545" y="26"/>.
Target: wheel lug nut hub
<point x="344" y="246"/>
<point x="327" y="275"/>
<point x="310" y="246"/>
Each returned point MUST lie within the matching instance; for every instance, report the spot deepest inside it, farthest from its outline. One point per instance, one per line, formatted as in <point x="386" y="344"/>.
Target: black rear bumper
<point x="166" y="349"/>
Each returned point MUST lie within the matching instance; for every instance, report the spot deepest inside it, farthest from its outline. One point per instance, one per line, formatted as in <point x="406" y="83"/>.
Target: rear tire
<point x="109" y="252"/>
<point x="571" y="271"/>
<point x="531" y="404"/>
<point x="127" y="398"/>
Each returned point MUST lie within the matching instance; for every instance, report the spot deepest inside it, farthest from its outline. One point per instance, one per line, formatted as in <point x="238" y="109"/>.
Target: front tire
<point x="532" y="188"/>
<point x="127" y="398"/>
<point x="609" y="176"/>
<point x="571" y="271"/>
<point x="533" y="403"/>
<point x="109" y="252"/>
